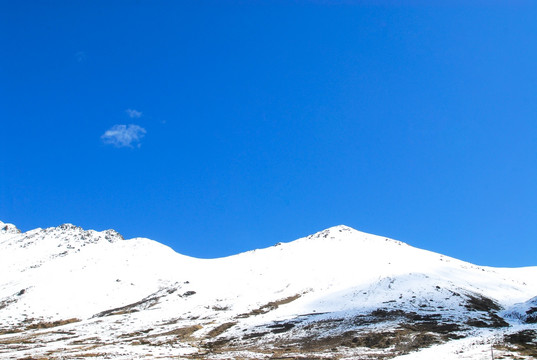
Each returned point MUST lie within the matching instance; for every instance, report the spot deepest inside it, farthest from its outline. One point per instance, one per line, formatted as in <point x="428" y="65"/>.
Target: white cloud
<point x="133" y="114"/>
<point x="124" y="135"/>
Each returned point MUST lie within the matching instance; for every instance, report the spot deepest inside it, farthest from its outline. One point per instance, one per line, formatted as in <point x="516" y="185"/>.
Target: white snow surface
<point x="77" y="273"/>
<point x="66" y="272"/>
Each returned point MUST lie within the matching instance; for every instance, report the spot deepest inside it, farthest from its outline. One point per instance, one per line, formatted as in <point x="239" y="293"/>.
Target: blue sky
<point x="220" y="127"/>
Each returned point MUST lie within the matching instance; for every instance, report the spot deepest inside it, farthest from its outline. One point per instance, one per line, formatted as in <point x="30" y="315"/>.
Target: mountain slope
<point x="337" y="293"/>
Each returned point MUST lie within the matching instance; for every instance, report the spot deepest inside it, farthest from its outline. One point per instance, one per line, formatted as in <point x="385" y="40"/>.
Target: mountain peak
<point x="6" y="228"/>
<point x="332" y="232"/>
<point x="72" y="232"/>
<point x="68" y="226"/>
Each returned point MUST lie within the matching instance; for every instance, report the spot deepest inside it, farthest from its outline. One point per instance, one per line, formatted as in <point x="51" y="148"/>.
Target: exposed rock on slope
<point x="8" y="228"/>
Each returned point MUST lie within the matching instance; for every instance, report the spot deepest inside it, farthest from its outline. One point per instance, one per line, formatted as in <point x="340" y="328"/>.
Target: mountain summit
<point x="8" y="228"/>
<point x="69" y="293"/>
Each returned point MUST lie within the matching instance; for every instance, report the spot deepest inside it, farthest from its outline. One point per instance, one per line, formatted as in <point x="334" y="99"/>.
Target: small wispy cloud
<point x="124" y="135"/>
<point x="80" y="56"/>
<point x="133" y="114"/>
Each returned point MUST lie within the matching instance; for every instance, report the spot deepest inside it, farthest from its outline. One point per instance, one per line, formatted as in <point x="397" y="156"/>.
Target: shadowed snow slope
<point x="338" y="281"/>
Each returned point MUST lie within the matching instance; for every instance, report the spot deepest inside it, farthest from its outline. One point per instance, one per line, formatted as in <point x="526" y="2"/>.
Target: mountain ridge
<point x="325" y="290"/>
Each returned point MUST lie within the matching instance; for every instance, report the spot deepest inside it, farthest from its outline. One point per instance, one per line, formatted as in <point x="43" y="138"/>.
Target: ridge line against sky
<point x="217" y="128"/>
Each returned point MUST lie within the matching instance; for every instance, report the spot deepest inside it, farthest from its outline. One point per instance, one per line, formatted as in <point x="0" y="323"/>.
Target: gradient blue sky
<point x="220" y="127"/>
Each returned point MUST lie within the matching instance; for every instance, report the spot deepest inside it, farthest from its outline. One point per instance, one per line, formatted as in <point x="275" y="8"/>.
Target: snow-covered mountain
<point x="340" y="293"/>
